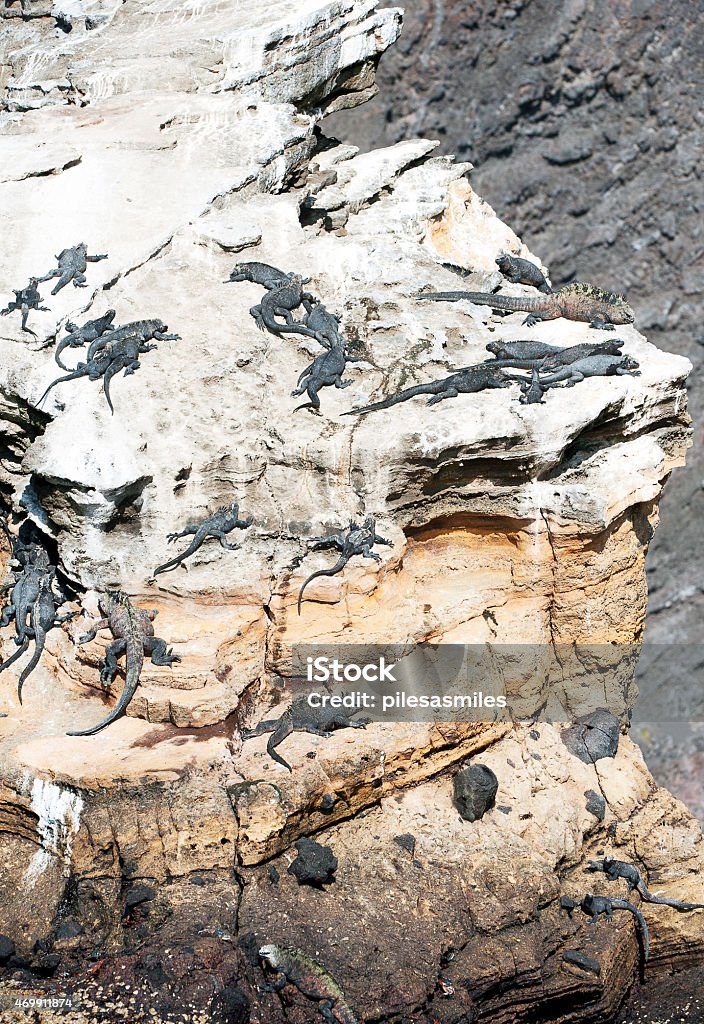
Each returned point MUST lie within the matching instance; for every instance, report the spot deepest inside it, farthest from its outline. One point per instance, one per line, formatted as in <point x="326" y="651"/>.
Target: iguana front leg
<point x="600" y="322"/>
<point x="538" y="316"/>
<point x="92" y="633"/>
<point x="383" y="540"/>
<point x="368" y="553"/>
<point x="223" y="542"/>
<point x="109" y="667"/>
<point x="276" y="985"/>
<point x="447" y="393"/>
<point x="96" y="259"/>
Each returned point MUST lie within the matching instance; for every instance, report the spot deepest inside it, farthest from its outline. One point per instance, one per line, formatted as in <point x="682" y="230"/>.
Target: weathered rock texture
<point x="186" y="140"/>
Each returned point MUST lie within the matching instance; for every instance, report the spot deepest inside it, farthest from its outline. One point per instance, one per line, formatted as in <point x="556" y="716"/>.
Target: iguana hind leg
<point x="159" y="651"/>
<point x="109" y="667"/>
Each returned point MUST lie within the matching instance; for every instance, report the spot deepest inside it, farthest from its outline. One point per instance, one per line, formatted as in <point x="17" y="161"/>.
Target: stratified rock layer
<point x="186" y="140"/>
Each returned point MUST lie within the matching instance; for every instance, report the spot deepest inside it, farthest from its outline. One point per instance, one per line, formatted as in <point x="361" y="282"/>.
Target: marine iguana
<point x="134" y="636"/>
<point x="467" y="381"/>
<point x="217" y="525"/>
<point x="80" y="336"/>
<point x="527" y="354"/>
<point x="358" y="540"/>
<point x="301" y="717"/>
<point x="72" y="266"/>
<point x="260" y="273"/>
<point x="581" y="302"/>
<point x="326" y="370"/>
<point x="142" y="330"/>
<point x="25" y="299"/>
<point x="520" y="271"/>
<point x="326" y="326"/>
<point x="615" y="869"/>
<point x="121" y="354"/>
<point x="590" y="366"/>
<point x="532" y="394"/>
<point x="595" y="906"/>
<point x="310" y="979"/>
<point x="42" y="618"/>
<point x="281" y="301"/>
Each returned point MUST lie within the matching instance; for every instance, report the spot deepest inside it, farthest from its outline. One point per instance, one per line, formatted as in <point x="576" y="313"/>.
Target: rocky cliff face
<point x="183" y="141"/>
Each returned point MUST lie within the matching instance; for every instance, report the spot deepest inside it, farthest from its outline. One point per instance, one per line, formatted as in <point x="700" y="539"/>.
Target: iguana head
<point x="504" y="260"/>
<point x="370" y="523"/>
<point x="271" y="955"/>
<point x="629" y="363"/>
<point x="108" y="602"/>
<point x="81" y="247"/>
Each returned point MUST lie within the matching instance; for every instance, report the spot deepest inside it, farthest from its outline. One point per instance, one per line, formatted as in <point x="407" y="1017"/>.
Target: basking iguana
<point x="326" y="326"/>
<point x="358" y="540"/>
<point x="301" y="717"/>
<point x="595" y="906"/>
<point x="582" y="302"/>
<point x="615" y="869"/>
<point x="25" y="299"/>
<point x="33" y="607"/>
<point x="122" y="354"/>
<point x="280" y="301"/>
<point x="80" y="336"/>
<point x="134" y="636"/>
<point x="520" y="271"/>
<point x="72" y="266"/>
<point x="590" y="366"/>
<point x="259" y="273"/>
<point x="326" y="370"/>
<point x="312" y="980"/>
<point x="527" y="354"/>
<point x="142" y="330"/>
<point x="217" y="525"/>
<point x="467" y="381"/>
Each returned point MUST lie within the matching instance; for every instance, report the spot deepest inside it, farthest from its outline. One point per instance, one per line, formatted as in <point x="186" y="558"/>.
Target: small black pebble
<point x="406" y="842"/>
<point x="503" y="808"/>
<point x="197" y="880"/>
<point x="273" y="875"/>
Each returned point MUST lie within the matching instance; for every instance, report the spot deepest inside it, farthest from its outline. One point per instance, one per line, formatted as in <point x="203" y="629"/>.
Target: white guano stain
<point x="59" y="814"/>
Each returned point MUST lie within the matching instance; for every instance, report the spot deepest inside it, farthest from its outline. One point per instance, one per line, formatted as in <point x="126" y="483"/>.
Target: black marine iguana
<point x="280" y="301"/>
<point x="142" y="330"/>
<point x="217" y="525"/>
<point x="25" y="299"/>
<point x="310" y="979"/>
<point x="589" y="366"/>
<point x="326" y="370"/>
<point x="301" y="717"/>
<point x="80" y="336"/>
<point x="326" y="326"/>
<point x="32" y="596"/>
<point x="527" y="354"/>
<point x="358" y="540"/>
<point x="520" y="271"/>
<point x="581" y="302"/>
<point x="467" y="381"/>
<point x="121" y="354"/>
<point x="595" y="906"/>
<point x="134" y="635"/>
<point x="615" y="869"/>
<point x="73" y="263"/>
<point x="260" y="273"/>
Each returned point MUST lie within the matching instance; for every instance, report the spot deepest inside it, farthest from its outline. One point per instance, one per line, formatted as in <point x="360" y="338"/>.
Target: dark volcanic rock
<point x="474" y="791"/>
<point x="596" y="804"/>
<point x="232" y="1005"/>
<point x="594" y="736"/>
<point x="581" y="960"/>
<point x="314" y="865"/>
<point x="7" y="949"/>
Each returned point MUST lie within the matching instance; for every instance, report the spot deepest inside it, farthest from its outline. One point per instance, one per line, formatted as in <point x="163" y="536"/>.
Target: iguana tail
<point x="39" y="638"/>
<point x="173" y="562"/>
<point x="64" y="343"/>
<point x="18" y="654"/>
<point x="337" y="567"/>
<point x="642" y="924"/>
<point x="80" y="371"/>
<point x="135" y="660"/>
<point x="284" y="728"/>
<point x="432" y="387"/>
<point x="650" y="898"/>
<point x="513" y="303"/>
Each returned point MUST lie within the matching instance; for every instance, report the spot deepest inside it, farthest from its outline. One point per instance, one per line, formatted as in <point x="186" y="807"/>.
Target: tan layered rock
<point x="509" y="524"/>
